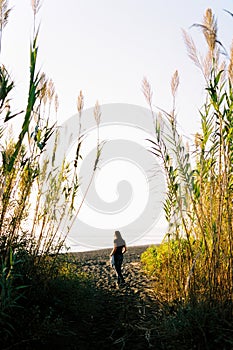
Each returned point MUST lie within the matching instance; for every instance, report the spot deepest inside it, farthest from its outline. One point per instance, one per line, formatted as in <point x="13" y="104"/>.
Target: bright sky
<point x="106" y="47"/>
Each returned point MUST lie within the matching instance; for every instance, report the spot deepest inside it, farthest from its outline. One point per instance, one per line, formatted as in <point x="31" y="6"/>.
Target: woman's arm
<point x="113" y="251"/>
<point x="124" y="249"/>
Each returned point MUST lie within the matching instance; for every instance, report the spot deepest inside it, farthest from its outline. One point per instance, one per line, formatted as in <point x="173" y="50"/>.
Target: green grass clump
<point x="167" y="264"/>
<point x="195" y="326"/>
<point x="43" y="304"/>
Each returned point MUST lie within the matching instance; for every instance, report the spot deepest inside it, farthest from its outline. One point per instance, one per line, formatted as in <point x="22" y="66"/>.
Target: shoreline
<point x="104" y="253"/>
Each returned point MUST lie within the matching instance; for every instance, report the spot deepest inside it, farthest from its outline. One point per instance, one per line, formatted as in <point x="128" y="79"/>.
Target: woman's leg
<point x="118" y="265"/>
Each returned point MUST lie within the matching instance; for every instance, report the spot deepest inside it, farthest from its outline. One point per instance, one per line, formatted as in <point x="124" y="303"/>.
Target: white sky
<point x="106" y="47"/>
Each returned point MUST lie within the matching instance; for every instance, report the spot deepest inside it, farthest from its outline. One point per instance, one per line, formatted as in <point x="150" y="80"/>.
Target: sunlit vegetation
<point x="193" y="266"/>
<point x="37" y="201"/>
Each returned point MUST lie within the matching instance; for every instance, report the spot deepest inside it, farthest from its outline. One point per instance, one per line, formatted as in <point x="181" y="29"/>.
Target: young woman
<point x="118" y="250"/>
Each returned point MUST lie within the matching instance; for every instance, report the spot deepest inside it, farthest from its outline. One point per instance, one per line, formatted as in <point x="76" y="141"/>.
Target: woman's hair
<point x="117" y="234"/>
<point x="118" y="240"/>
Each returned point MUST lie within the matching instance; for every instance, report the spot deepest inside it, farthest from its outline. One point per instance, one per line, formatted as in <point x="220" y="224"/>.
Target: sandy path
<point x="124" y="317"/>
<point x="98" y="266"/>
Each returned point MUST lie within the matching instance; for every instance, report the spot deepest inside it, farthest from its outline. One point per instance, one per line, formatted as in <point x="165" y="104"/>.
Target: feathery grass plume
<point x="80" y="105"/>
<point x="4" y="13"/>
<point x="175" y="83"/>
<point x="148" y="94"/>
<point x="50" y="93"/>
<point x="147" y="91"/>
<point x="223" y="69"/>
<point x="174" y="88"/>
<point x="97" y="116"/>
<point x="210" y="29"/>
<point x="56" y="103"/>
<point x="80" y="102"/>
<point x="191" y="48"/>
<point x="50" y="90"/>
<point x="230" y="67"/>
<point x="36" y="5"/>
<point x="43" y="88"/>
<point x="207" y="65"/>
<point x="97" y="113"/>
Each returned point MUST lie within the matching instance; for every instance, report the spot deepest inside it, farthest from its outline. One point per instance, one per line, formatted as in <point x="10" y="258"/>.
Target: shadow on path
<point x="115" y="318"/>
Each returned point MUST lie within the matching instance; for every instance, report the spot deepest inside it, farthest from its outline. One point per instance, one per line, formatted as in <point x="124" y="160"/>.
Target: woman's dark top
<point x="119" y="250"/>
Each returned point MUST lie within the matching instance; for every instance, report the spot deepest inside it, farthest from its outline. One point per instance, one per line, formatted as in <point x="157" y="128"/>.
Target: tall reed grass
<point x="37" y="198"/>
<point x="196" y="260"/>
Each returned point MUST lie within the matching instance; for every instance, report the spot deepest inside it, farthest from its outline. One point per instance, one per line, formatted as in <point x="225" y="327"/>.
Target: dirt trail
<point x="124" y="316"/>
<point x="97" y="265"/>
